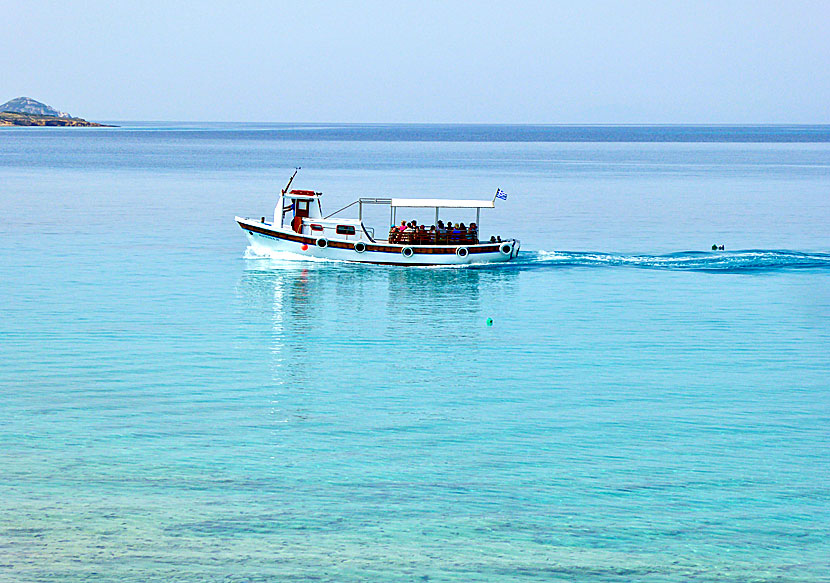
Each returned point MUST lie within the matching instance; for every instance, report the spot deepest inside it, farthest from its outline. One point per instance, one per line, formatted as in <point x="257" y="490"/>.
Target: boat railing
<point x="432" y="237"/>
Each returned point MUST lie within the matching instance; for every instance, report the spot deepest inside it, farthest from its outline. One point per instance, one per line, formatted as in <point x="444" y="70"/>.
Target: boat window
<point x="345" y="230"/>
<point x="302" y="205"/>
<point x="316" y="227"/>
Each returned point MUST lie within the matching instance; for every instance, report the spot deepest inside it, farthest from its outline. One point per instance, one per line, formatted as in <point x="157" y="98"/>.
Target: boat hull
<point x="264" y="237"/>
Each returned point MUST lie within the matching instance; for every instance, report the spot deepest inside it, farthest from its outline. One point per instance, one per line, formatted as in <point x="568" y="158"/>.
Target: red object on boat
<point x="304" y="192"/>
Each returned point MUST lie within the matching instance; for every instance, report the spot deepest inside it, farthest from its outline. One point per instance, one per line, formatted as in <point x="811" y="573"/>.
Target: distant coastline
<point x="25" y="111"/>
<point x="10" y="118"/>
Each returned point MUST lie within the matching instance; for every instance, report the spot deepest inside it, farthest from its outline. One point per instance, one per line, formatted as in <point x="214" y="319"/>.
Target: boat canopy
<point x="442" y="203"/>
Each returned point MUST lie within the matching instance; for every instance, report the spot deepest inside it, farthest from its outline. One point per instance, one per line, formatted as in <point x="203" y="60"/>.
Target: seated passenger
<point x="454" y="234"/>
<point x="440" y="233"/>
<point x="402" y="228"/>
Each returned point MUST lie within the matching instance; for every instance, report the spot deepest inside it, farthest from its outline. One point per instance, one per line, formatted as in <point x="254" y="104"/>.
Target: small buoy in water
<point x="489" y="321"/>
<point x="305" y="247"/>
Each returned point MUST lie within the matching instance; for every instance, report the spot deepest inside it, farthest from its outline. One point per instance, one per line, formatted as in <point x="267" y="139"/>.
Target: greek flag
<point x="501" y="194"/>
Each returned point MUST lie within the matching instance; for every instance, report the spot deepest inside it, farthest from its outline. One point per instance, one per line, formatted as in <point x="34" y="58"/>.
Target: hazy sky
<point x="488" y="62"/>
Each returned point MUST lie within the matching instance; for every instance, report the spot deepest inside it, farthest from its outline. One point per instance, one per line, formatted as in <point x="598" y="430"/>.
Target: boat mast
<point x="290" y="180"/>
<point x="282" y="194"/>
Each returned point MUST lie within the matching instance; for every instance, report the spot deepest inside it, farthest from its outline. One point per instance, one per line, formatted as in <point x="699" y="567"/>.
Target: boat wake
<point x="282" y="256"/>
<point x="754" y="260"/>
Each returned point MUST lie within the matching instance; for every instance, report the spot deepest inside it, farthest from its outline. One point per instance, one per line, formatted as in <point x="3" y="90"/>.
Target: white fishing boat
<point x="299" y="227"/>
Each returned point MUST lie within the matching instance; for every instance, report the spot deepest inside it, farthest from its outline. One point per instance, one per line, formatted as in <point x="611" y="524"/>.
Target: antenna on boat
<point x="290" y="180"/>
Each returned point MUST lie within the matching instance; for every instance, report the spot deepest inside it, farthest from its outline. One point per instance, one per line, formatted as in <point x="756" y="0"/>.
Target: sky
<point x="578" y="62"/>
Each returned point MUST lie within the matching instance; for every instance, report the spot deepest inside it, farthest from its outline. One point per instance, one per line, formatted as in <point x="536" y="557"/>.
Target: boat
<point x="299" y="227"/>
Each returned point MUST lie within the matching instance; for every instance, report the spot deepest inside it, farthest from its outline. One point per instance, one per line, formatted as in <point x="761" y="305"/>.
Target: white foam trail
<point x="745" y="260"/>
<point x="257" y="252"/>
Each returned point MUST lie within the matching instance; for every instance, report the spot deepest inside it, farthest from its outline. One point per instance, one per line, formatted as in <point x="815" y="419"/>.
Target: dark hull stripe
<point x="420" y="249"/>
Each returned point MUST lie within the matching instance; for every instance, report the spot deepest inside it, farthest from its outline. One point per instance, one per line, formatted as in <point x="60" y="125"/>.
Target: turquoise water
<point x="172" y="408"/>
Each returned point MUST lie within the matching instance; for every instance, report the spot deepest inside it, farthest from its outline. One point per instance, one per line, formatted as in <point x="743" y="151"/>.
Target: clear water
<point x="641" y="408"/>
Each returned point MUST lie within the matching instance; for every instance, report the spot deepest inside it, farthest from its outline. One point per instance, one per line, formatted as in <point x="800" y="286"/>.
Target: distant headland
<point x="25" y="111"/>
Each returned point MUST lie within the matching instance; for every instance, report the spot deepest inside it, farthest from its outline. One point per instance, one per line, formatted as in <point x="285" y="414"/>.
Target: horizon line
<point x="464" y="123"/>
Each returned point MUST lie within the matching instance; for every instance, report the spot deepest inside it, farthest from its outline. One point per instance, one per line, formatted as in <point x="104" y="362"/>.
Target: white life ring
<point x="360" y="246"/>
<point x="407" y="251"/>
<point x="506" y="248"/>
<point x="462" y="251"/>
<point x="322" y="242"/>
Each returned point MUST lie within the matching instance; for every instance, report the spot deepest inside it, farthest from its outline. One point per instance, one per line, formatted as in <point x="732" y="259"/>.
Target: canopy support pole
<point x="436" y="217"/>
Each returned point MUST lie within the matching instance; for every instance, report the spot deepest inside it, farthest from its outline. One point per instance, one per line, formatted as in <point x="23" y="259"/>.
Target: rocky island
<point x="25" y="111"/>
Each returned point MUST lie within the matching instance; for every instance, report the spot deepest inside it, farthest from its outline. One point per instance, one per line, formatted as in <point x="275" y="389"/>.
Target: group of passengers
<point x="413" y="233"/>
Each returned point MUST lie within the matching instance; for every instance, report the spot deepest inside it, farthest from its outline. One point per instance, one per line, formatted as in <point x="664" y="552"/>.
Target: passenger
<point x="406" y="234"/>
<point x="441" y="233"/>
<point x="445" y="236"/>
<point x="393" y="234"/>
<point x="432" y="235"/>
<point x="492" y="238"/>
<point x="455" y="234"/>
<point x="402" y="228"/>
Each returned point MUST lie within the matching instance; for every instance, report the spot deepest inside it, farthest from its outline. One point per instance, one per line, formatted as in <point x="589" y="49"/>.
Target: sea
<point x="620" y="403"/>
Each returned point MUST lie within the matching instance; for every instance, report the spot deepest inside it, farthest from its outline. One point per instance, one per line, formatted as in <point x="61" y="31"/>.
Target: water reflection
<point x="329" y="315"/>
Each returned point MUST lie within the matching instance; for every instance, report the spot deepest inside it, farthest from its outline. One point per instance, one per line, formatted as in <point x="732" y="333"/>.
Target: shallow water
<point x="172" y="408"/>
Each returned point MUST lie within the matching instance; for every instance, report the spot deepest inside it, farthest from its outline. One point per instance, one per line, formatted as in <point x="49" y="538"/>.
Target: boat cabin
<point x="302" y="212"/>
<point x="298" y="205"/>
